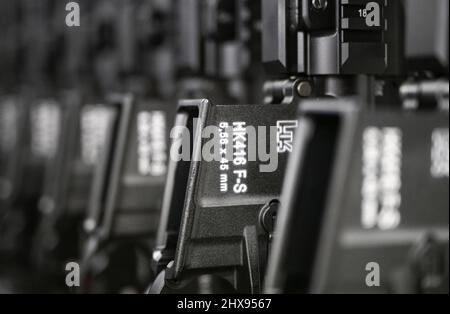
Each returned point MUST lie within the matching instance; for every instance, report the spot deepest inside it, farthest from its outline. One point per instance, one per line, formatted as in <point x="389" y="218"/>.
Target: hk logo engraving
<point x="285" y="135"/>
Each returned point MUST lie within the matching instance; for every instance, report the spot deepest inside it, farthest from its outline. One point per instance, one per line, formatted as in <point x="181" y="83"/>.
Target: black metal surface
<point x="333" y="227"/>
